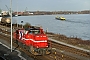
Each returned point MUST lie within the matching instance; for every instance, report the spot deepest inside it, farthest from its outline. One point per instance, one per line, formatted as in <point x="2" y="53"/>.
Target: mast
<point x="11" y="21"/>
<point x="17" y="14"/>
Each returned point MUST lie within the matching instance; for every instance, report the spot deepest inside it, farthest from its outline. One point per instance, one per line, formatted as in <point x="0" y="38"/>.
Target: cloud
<point x="47" y="4"/>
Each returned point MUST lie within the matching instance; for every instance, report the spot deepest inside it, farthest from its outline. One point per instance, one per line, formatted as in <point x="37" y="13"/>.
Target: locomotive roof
<point x="33" y="28"/>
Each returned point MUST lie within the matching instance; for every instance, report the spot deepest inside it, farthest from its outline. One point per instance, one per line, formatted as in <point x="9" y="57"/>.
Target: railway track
<point x="58" y="51"/>
<point x="77" y="54"/>
<point x="47" y="57"/>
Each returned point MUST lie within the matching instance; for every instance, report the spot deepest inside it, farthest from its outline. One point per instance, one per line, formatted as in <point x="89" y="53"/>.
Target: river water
<point x="77" y="25"/>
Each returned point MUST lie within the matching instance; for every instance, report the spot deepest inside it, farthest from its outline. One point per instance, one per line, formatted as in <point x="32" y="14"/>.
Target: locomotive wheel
<point x="16" y="41"/>
<point x="31" y="50"/>
<point x="25" y="47"/>
<point x="20" y="44"/>
<point x="42" y="52"/>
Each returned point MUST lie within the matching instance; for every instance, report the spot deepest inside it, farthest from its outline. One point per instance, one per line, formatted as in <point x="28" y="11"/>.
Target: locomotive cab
<point x="40" y="43"/>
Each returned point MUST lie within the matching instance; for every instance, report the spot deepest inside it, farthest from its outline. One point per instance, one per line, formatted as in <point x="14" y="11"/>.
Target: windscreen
<point x="34" y="31"/>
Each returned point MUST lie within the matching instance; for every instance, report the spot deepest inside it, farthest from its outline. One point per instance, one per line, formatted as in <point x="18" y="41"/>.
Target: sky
<point x="46" y="5"/>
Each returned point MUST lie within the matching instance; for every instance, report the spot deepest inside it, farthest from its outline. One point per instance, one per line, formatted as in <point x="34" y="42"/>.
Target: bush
<point x="27" y="25"/>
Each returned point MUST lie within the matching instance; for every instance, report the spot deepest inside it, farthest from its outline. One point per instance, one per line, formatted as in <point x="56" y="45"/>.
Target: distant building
<point x="5" y="13"/>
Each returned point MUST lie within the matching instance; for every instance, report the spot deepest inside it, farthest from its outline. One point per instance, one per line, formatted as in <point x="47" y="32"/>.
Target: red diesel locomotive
<point x="33" y="39"/>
